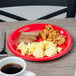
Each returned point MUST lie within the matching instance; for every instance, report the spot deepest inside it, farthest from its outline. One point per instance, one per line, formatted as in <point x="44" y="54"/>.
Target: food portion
<point x="39" y="49"/>
<point x="48" y="47"/>
<point x="50" y="34"/>
<point x="28" y="37"/>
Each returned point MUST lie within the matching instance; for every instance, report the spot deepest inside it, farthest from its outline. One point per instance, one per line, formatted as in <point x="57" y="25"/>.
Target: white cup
<point x="15" y="60"/>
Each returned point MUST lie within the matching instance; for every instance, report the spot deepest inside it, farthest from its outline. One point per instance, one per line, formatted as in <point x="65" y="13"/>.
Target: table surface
<point x="63" y="66"/>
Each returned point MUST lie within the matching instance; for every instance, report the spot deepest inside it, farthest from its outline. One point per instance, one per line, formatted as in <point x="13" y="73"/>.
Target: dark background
<point x="7" y="3"/>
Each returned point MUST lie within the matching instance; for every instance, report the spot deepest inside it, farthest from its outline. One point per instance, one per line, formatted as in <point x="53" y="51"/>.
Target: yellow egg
<point x="33" y="46"/>
<point x="39" y="49"/>
<point x="51" y="51"/>
<point x="38" y="53"/>
<point x="23" y="47"/>
<point x="59" y="49"/>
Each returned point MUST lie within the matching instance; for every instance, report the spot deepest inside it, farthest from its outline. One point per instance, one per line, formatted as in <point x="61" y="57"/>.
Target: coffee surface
<point x="11" y="68"/>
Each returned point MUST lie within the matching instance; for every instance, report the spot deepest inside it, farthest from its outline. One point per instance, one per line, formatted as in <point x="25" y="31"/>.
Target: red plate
<point x="12" y="41"/>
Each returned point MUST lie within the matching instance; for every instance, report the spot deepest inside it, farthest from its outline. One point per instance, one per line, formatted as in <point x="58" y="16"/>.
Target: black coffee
<point x="11" y="68"/>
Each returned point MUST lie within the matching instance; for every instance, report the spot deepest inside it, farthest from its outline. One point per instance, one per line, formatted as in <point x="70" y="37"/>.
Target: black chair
<point x="10" y="3"/>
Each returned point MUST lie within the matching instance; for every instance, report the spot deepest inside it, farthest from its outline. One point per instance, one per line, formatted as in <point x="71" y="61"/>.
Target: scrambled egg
<point x="39" y="49"/>
<point x="39" y="52"/>
<point x="22" y="46"/>
<point x="51" y="51"/>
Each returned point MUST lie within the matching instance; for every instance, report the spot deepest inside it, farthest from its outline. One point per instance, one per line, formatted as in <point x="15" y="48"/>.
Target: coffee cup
<point x="14" y="66"/>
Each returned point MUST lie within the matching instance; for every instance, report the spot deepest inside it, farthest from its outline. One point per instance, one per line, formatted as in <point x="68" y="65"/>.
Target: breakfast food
<point x="50" y="34"/>
<point x="48" y="47"/>
<point x="28" y="37"/>
<point x="39" y="49"/>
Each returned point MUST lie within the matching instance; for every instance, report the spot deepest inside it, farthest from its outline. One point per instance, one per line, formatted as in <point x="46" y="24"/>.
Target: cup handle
<point x="29" y="73"/>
